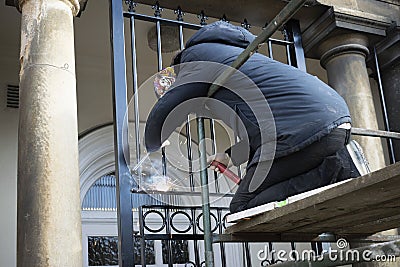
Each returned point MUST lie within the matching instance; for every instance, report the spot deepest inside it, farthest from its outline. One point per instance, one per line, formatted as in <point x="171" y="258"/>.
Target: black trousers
<point x="321" y="163"/>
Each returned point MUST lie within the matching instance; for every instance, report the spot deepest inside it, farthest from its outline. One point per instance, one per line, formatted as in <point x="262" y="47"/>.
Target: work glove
<point x="221" y="158"/>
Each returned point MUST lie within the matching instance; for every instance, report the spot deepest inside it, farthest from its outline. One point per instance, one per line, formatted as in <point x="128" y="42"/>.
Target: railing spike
<point x="157" y="9"/>
<point x="179" y="13"/>
<point x="224" y="18"/>
<point x="131" y="5"/>
<point x="202" y="18"/>
<point x="245" y="24"/>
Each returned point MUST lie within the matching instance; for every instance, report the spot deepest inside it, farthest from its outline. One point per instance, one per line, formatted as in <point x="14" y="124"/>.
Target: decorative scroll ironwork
<point x="162" y="220"/>
<point x="191" y="223"/>
<point x="175" y="227"/>
<point x="217" y="223"/>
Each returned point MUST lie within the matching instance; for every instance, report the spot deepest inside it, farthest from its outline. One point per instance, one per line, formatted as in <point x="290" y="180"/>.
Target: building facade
<point x="57" y="105"/>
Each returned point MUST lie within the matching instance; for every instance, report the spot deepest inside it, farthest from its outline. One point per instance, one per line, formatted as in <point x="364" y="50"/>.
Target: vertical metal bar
<point x="316" y="247"/>
<point x="221" y="244"/>
<point x="239" y="169"/>
<point x="124" y="206"/>
<point x="271" y="248"/>
<point x="168" y="241"/>
<point x="384" y="110"/>
<point x="160" y="66"/>
<point x="244" y="255"/>
<point x="293" y="248"/>
<point x="142" y="240"/>
<point x="288" y="55"/>
<point x="114" y="193"/>
<point x="214" y="150"/>
<point x="181" y="41"/>
<point x="195" y="242"/>
<point x="247" y="253"/>
<point x="271" y="55"/>
<point x="188" y="133"/>
<point x="135" y="91"/>
<point x="294" y="34"/>
<point x="159" y="55"/>
<point x="189" y="153"/>
<point x="205" y="197"/>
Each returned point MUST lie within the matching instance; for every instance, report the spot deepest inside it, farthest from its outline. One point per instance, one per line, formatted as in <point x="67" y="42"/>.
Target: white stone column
<point x="49" y="224"/>
<point x="343" y="57"/>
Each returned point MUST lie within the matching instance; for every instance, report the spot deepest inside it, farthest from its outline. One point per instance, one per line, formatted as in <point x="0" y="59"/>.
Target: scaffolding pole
<point x="205" y="197"/>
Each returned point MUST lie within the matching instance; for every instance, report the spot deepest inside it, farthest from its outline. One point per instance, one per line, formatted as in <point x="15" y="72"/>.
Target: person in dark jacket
<point x="311" y="121"/>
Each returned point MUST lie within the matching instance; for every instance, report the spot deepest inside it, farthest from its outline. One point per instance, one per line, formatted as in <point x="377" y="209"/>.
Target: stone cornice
<point x="346" y="20"/>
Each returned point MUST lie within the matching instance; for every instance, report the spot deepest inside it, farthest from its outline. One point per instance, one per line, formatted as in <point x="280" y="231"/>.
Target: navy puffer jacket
<point x="304" y="108"/>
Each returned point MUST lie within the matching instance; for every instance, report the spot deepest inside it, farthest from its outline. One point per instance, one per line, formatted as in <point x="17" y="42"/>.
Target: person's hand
<point x="221" y="158"/>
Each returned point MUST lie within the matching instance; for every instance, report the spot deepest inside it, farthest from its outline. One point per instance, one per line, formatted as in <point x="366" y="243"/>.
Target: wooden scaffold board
<point x="360" y="206"/>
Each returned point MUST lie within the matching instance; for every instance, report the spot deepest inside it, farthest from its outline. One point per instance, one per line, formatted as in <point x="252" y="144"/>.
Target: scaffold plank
<point x="370" y="202"/>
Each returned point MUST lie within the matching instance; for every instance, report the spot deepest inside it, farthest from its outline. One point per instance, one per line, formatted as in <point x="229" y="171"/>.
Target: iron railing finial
<point x="202" y="18"/>
<point x="224" y="18"/>
<point x="157" y="9"/>
<point x="179" y="14"/>
<point x="131" y="5"/>
<point x="245" y="24"/>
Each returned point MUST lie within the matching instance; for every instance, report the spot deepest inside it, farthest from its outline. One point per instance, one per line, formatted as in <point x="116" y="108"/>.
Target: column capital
<point x="342" y="44"/>
<point x="74" y="4"/>
<point x="338" y="21"/>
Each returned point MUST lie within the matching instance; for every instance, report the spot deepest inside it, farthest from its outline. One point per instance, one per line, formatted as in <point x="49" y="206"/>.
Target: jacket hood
<point x="222" y="32"/>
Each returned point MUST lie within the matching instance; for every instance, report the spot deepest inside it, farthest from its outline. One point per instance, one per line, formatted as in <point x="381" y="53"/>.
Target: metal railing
<point x="295" y="56"/>
<point x="125" y="202"/>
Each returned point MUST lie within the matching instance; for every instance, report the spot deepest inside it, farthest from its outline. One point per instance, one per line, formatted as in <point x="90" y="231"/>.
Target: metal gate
<point x="135" y="244"/>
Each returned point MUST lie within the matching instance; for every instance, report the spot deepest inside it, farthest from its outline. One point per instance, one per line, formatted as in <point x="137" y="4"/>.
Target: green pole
<point x="286" y="13"/>
<point x="205" y="195"/>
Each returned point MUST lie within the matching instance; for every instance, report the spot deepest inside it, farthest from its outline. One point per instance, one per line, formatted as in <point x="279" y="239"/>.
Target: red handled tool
<point x="224" y="170"/>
